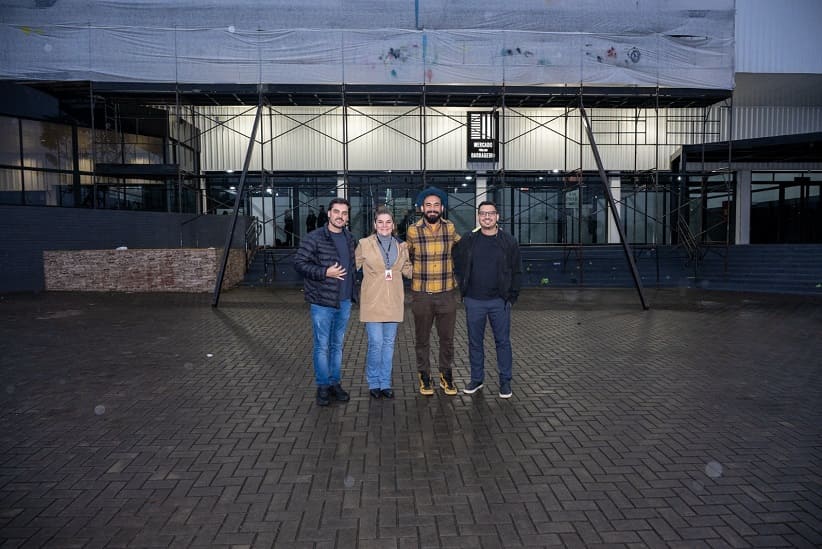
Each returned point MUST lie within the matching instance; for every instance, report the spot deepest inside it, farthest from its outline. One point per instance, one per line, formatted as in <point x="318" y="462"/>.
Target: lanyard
<point x="386" y="252"/>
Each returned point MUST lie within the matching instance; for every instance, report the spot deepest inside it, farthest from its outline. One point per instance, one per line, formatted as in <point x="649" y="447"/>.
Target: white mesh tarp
<point x="666" y="43"/>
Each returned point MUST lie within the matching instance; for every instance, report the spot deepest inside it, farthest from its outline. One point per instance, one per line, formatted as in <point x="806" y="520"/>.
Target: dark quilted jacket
<point x="316" y="253"/>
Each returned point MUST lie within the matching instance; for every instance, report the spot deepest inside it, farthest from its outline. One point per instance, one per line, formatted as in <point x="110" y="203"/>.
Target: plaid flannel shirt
<point x="430" y="254"/>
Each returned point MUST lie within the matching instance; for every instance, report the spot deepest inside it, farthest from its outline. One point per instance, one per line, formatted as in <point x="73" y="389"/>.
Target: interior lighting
<point x="555" y="170"/>
<point x="229" y="171"/>
<point x="232" y="188"/>
<point x="468" y="178"/>
<point x="269" y="190"/>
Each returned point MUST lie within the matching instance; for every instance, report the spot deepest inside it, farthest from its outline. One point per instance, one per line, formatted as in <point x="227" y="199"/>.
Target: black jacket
<point x="509" y="272"/>
<point x="317" y="252"/>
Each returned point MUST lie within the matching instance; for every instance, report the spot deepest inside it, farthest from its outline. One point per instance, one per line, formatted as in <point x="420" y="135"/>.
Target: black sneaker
<point x="375" y="393"/>
<point x="472" y="387"/>
<point x="339" y="393"/>
<point x="447" y="383"/>
<point x="505" y="390"/>
<point x="425" y="384"/>
<point x="388" y="393"/>
<point x="323" y="396"/>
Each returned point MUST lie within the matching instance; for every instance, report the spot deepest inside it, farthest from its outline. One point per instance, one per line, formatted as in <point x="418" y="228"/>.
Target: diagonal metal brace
<point x="227" y="249"/>
<point x="628" y="255"/>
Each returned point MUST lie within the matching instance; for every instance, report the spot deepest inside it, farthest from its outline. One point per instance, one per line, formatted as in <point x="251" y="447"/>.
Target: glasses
<point x="487" y="214"/>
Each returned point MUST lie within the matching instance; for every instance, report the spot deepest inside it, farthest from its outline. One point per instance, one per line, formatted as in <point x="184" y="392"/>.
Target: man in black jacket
<point x="488" y="268"/>
<point x="325" y="259"/>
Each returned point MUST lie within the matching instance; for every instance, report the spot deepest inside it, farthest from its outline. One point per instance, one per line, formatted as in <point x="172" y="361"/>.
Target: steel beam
<point x="230" y="237"/>
<point x="625" y="246"/>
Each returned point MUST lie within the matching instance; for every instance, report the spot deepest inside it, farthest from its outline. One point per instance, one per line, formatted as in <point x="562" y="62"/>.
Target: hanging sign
<point x="483" y="129"/>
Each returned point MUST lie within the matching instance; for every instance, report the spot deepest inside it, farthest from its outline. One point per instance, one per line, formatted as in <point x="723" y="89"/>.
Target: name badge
<point x="389" y="275"/>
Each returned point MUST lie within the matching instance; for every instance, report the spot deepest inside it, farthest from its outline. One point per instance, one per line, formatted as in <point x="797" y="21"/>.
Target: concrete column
<point x="615" y="182"/>
<point x="742" y="232"/>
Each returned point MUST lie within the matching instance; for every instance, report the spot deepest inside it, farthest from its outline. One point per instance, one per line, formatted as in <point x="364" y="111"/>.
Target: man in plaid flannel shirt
<point x="434" y="293"/>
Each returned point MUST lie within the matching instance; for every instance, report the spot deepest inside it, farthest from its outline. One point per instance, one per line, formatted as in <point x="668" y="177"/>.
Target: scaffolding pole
<point x="628" y="255"/>
<point x="240" y="188"/>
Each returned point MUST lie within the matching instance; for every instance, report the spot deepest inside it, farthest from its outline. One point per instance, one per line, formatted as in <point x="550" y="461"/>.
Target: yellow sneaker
<point x="447" y="383"/>
<point x="425" y="384"/>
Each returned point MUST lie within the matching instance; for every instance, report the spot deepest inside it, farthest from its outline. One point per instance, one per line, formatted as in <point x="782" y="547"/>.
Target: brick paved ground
<point x="156" y="421"/>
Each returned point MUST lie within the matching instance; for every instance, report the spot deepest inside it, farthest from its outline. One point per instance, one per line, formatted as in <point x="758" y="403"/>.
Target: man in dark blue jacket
<point x="326" y="261"/>
<point x="487" y="265"/>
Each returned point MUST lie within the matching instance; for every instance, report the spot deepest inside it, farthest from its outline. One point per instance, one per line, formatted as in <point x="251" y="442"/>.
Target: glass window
<point x="133" y="194"/>
<point x="551" y="208"/>
<point x="107" y="148"/>
<point x="189" y="197"/>
<point x="85" y="149"/>
<point x="785" y="207"/>
<point x="86" y="191"/>
<point x="573" y="209"/>
<point x="11" y="187"/>
<point x="711" y="206"/>
<point x="644" y="209"/>
<point x="594" y="208"/>
<point x="186" y="158"/>
<point x="537" y="214"/>
<point x="532" y="207"/>
<point x="9" y="141"/>
<point x="47" y="145"/>
<point x="396" y="191"/>
<point x="141" y="149"/>
<point x="48" y="188"/>
<point x="302" y="196"/>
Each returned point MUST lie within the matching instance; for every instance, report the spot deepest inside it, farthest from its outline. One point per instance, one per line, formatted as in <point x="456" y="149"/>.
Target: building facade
<point x="706" y="118"/>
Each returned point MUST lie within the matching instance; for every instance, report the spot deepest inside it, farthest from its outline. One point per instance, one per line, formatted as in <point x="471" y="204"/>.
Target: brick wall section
<point x="169" y="270"/>
<point x="26" y="231"/>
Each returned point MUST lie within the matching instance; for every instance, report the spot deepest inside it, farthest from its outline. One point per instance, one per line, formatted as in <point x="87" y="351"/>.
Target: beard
<point x="432" y="217"/>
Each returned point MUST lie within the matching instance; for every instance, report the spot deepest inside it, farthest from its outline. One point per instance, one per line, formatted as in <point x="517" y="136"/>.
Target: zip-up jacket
<point x="509" y="271"/>
<point x="316" y="254"/>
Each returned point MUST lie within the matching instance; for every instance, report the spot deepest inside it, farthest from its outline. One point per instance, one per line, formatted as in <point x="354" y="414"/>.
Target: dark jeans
<point x="428" y="309"/>
<point x="477" y="313"/>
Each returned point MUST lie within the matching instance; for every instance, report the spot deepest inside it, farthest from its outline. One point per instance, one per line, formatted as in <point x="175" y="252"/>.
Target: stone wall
<point x="29" y="230"/>
<point x="169" y="270"/>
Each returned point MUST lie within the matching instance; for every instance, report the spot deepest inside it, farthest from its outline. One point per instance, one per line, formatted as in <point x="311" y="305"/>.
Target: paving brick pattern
<point x="157" y="421"/>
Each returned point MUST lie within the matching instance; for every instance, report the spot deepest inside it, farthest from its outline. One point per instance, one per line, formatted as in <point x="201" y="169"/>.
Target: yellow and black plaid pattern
<point x="430" y="253"/>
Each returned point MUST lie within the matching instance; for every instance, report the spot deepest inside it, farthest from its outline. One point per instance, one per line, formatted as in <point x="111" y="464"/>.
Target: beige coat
<point x="381" y="300"/>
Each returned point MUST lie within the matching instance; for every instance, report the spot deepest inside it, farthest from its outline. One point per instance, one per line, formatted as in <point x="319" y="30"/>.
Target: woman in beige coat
<point x="384" y="261"/>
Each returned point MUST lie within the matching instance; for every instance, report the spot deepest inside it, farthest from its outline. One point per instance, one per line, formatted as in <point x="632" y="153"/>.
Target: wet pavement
<point x="134" y="420"/>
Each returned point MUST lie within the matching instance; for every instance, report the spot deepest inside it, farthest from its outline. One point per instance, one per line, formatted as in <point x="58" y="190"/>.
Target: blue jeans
<point x="329" y="330"/>
<point x="380" y="356"/>
<point x="477" y="313"/>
